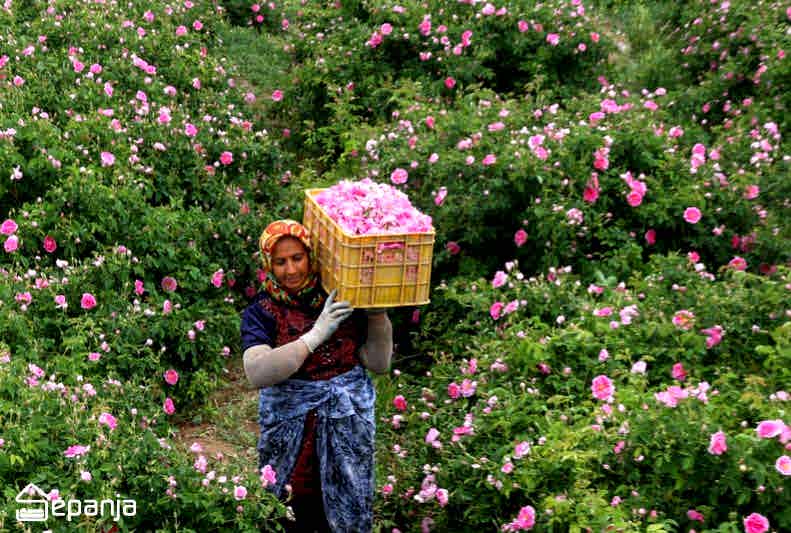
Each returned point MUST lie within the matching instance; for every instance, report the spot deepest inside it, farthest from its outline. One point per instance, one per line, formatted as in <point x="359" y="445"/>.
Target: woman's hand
<point x="330" y="318"/>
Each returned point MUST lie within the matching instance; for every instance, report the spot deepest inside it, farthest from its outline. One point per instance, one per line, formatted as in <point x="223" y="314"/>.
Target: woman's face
<point x="290" y="263"/>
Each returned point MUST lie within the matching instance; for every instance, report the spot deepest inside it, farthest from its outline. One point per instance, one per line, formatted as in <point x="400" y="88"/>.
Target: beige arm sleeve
<point x="377" y="351"/>
<point x="265" y="366"/>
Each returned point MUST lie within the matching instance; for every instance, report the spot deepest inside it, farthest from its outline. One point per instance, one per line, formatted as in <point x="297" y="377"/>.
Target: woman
<point x="306" y="353"/>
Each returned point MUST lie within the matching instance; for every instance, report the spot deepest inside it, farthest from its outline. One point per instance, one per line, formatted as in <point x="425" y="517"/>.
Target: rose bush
<point x="103" y="438"/>
<point x="590" y="404"/>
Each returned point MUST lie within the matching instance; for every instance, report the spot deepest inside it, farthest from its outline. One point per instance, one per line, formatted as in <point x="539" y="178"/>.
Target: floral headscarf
<point x="311" y="293"/>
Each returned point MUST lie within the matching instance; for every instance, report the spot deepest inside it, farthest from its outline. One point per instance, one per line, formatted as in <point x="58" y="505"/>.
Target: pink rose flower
<point x="76" y="450"/>
<point x="11" y="244"/>
<point x="521" y="449"/>
<point x="49" y="244"/>
<point x="751" y="192"/>
<point x="525" y="520"/>
<point x="168" y="406"/>
<point x="717" y="445"/>
<point x="432" y="435"/>
<point x="756" y="523"/>
<point x="440" y="197"/>
<point x="496" y="309"/>
<point x="678" y="372"/>
<point x="769" y="429"/>
<point x="692" y="215"/>
<point x="399" y="402"/>
<point x="520" y="237"/>
<point x="169" y="284"/>
<point x="454" y="391"/>
<point x="88" y="301"/>
<point x="468" y="388"/>
<point x="399" y="176"/>
<point x="268" y="476"/>
<point x="737" y="263"/>
<point x="8" y="227"/>
<point x="634" y="198"/>
<point x="226" y="158"/>
<point x="171" y="377"/>
<point x="783" y="465"/>
<point x="450" y="83"/>
<point x="500" y="278"/>
<point x="108" y="420"/>
<point x="277" y="95"/>
<point x="683" y="319"/>
<point x="602" y="388"/>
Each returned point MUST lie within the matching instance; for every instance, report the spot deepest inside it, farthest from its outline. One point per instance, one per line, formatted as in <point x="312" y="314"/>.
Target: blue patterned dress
<point x="327" y="406"/>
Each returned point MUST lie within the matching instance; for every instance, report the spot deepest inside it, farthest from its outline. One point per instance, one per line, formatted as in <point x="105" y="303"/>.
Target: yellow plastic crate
<point x="369" y="270"/>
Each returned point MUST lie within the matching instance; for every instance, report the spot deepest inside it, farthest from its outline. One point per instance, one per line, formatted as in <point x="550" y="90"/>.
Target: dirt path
<point x="229" y="423"/>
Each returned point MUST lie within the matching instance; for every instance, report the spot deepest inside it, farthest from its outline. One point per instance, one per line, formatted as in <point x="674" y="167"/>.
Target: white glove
<point x="330" y="318"/>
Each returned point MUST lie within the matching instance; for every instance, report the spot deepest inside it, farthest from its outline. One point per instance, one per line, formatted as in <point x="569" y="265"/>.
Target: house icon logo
<point x="35" y="504"/>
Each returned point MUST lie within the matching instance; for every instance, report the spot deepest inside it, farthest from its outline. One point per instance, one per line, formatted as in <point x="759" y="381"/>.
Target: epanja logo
<point x="37" y="506"/>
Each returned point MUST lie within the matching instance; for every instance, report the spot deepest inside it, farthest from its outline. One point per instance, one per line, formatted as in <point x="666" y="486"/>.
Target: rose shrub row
<point x="596" y="404"/>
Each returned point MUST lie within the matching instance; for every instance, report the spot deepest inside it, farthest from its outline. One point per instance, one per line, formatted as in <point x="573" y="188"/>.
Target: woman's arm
<point x="265" y="366"/>
<point x="377" y="351"/>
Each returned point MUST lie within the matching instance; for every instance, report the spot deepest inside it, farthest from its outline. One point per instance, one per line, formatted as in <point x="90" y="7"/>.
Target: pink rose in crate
<point x="369" y="208"/>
